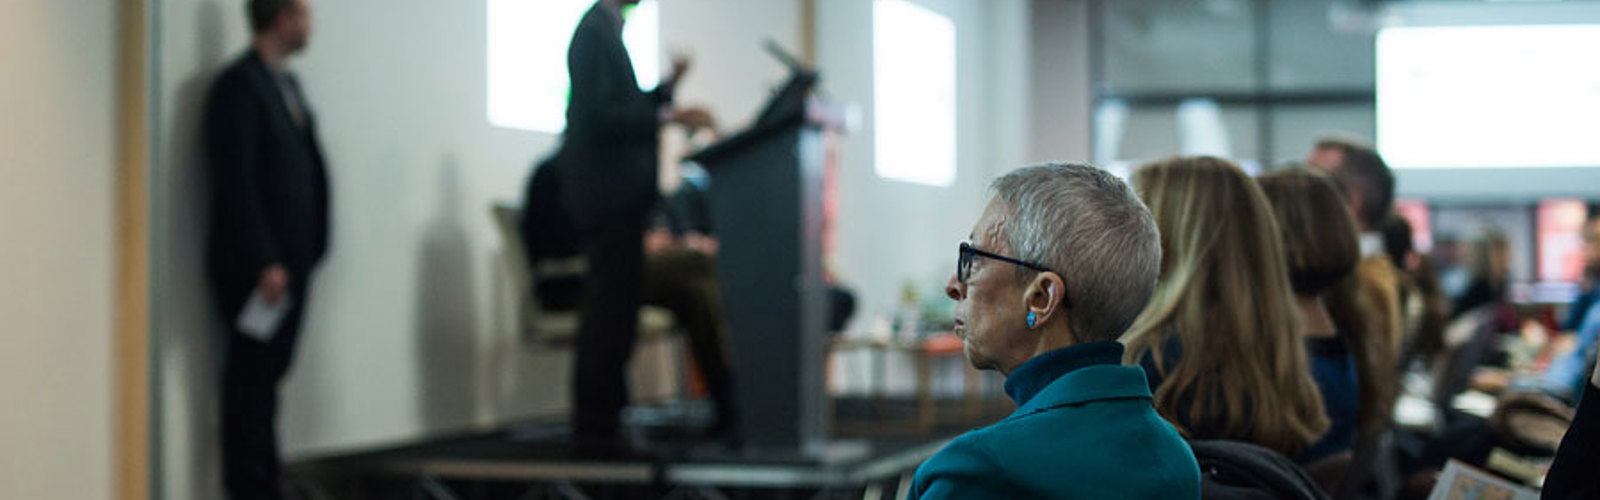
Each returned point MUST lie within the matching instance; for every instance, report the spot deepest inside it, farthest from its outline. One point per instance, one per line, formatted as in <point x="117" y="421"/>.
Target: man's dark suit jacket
<point x="269" y="187"/>
<point x="610" y="144"/>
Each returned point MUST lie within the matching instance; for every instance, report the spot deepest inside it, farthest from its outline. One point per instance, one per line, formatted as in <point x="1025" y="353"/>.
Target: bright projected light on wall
<point x="1489" y="96"/>
<point x="528" y="40"/>
<point x="914" y="93"/>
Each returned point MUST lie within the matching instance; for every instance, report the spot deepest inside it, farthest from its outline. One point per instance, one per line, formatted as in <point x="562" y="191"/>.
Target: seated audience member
<point x="1357" y="306"/>
<point x="1423" y="305"/>
<point x="1448" y="255"/>
<point x="1427" y="343"/>
<point x="679" y="272"/>
<point x="1061" y="261"/>
<point x="841" y="304"/>
<point x="1320" y="248"/>
<point x="1589" y="288"/>
<point x="1397" y="241"/>
<point x="1564" y="377"/>
<point x="1572" y="474"/>
<point x="1491" y="274"/>
<point x="1402" y="254"/>
<point x="1369" y="192"/>
<point x="1220" y="340"/>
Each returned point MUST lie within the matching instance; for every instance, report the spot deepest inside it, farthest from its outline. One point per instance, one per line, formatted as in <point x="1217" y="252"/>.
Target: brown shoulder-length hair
<point x="1320" y="241"/>
<point x="1322" y="248"/>
<point x="1224" y="293"/>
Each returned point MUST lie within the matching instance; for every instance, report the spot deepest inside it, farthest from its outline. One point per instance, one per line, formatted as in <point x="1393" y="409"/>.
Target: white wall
<point x="57" y="137"/>
<point x="193" y="39"/>
<point x="405" y="336"/>
<point x="1059" y="84"/>
<point x="1010" y="68"/>
<point x="732" y="74"/>
<point x="891" y="232"/>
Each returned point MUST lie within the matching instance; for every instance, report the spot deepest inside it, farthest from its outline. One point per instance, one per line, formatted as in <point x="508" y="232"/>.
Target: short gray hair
<point x="1093" y="230"/>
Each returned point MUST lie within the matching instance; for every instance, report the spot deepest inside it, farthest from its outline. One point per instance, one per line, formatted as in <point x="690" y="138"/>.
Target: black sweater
<point x="1573" y="474"/>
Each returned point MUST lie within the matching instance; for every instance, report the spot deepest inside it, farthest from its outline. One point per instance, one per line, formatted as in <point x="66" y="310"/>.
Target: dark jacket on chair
<point x="549" y="233"/>
<point x="269" y="186"/>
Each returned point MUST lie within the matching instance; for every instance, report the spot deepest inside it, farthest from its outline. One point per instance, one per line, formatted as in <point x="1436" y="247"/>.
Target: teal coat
<point x="1084" y="428"/>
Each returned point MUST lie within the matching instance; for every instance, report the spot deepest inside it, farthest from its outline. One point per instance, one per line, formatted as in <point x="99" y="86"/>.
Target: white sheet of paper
<point x="259" y="319"/>
<point x="1595" y="379"/>
<point x="1461" y="482"/>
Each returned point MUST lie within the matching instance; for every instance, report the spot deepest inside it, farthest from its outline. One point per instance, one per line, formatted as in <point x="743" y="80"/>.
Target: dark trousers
<point x="609" y="324"/>
<point x="685" y="282"/>
<point x="251" y="373"/>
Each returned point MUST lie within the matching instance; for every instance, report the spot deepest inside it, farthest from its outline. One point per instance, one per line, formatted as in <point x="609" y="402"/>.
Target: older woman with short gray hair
<point x="1062" y="260"/>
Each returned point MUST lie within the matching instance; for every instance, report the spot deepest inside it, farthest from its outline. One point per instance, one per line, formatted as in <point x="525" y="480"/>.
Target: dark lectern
<point x="766" y="205"/>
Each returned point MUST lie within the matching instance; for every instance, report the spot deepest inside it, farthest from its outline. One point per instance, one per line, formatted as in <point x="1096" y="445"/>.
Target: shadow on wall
<point x="191" y="334"/>
<point x="447" y="314"/>
<point x="526" y="381"/>
<point x="506" y="347"/>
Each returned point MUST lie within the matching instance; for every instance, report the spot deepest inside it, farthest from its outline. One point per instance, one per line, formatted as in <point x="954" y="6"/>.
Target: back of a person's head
<point x="263" y="13"/>
<point x="1090" y="227"/>
<point x="1364" y="170"/>
<point x="1491" y="256"/>
<point x="1321" y="245"/>
<point x="1397" y="240"/>
<point x="1429" y="337"/>
<point x="1319" y="236"/>
<point x="1225" y="293"/>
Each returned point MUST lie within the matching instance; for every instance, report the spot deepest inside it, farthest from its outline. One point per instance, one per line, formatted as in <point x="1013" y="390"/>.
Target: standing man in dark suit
<point x="269" y="229"/>
<point x="611" y="146"/>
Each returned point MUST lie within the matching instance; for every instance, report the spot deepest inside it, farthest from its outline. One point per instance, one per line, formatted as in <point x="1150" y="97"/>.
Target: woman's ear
<point x="1044" y="297"/>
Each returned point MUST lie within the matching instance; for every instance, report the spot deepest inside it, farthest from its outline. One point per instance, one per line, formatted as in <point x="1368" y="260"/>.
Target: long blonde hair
<point x="1224" y="293"/>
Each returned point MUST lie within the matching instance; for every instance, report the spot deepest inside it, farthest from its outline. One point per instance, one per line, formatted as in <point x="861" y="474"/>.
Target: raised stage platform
<point x="872" y="458"/>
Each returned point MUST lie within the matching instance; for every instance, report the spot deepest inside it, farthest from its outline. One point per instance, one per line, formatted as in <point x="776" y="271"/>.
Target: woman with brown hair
<point x="1220" y="338"/>
<point x="1491" y="276"/>
<point x="1322" y="250"/>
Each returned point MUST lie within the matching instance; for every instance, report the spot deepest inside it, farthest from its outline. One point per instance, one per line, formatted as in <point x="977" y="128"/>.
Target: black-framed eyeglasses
<point x="970" y="253"/>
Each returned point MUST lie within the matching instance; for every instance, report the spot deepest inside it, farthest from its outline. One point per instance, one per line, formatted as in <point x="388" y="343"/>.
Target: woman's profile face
<point x="990" y="304"/>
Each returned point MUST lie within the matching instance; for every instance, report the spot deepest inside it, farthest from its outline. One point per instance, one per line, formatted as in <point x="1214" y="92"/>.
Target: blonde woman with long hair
<point x="1220" y="339"/>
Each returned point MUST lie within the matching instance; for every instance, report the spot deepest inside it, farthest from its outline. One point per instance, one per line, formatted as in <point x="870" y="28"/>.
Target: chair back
<point x="1468" y="341"/>
<point x="1238" y="470"/>
<point x="534" y="324"/>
